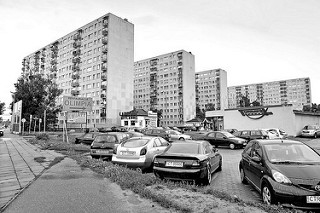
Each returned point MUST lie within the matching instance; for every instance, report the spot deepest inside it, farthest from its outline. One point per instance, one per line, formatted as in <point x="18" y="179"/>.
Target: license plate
<point x="104" y="151"/>
<point x="127" y="153"/>
<point x="174" y="164"/>
<point x="313" y="199"/>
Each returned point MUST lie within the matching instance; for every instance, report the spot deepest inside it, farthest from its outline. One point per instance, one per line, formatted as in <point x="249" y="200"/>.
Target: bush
<point x="42" y="136"/>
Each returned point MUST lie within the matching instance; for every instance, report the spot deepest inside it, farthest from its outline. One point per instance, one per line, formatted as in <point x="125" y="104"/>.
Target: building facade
<point x="211" y="90"/>
<point x="95" y="60"/>
<point x="166" y="83"/>
<point x="294" y="91"/>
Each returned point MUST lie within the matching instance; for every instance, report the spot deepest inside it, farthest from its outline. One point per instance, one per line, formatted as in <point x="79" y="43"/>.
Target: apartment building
<point x="211" y="89"/>
<point x="293" y="91"/>
<point x="167" y="83"/>
<point x="95" y="60"/>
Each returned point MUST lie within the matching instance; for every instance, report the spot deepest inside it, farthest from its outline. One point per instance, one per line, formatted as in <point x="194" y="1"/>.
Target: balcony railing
<point x="103" y="96"/>
<point x="103" y="77"/>
<point x="103" y="114"/>
<point x="104" y="87"/>
<point x="75" y="76"/>
<point x="104" y="41"/>
<point x="77" y="36"/>
<point x="76" y="44"/>
<point x="76" y="68"/>
<point x="76" y="60"/>
<point x="104" y="32"/>
<point x="75" y="84"/>
<point x="104" y="49"/>
<point x="104" y="58"/>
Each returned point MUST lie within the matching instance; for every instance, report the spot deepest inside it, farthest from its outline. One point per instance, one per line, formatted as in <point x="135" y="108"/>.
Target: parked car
<point x="280" y="133"/>
<point x="139" y="152"/>
<point x="176" y="135"/>
<point x="222" y="138"/>
<point x="104" y="144"/>
<point x="118" y="129"/>
<point x="188" y="160"/>
<point x="86" y="138"/>
<point x="157" y="132"/>
<point x="271" y="134"/>
<point x="252" y="134"/>
<point x="311" y="131"/>
<point x="284" y="171"/>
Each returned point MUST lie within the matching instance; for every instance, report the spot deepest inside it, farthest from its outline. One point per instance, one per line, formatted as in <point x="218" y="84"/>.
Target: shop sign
<point x="255" y="113"/>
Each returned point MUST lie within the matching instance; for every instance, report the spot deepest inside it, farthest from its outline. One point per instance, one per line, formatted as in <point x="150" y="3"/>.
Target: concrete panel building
<point x="95" y="60"/>
<point x="167" y="82"/>
<point x="293" y="91"/>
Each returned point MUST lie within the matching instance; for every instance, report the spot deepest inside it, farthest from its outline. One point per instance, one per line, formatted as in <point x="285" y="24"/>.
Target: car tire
<point x="232" y="146"/>
<point x="243" y="176"/>
<point x="208" y="178"/>
<point x="267" y="194"/>
<point x="181" y="139"/>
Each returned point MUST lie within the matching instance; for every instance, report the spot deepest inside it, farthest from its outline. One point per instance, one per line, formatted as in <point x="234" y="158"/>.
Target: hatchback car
<point x="176" y="135"/>
<point x="283" y="171"/>
<point x="86" y="138"/>
<point x="104" y="144"/>
<point x="311" y="131"/>
<point x="222" y="138"/>
<point x="252" y="134"/>
<point x="139" y="152"/>
<point x="188" y="160"/>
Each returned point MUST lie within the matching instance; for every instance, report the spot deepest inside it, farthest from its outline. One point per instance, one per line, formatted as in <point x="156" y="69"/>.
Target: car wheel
<point x="220" y="166"/>
<point x="76" y="142"/>
<point x="232" y="146"/>
<point x="181" y="139"/>
<point x="267" y="194"/>
<point x="243" y="176"/>
<point x="207" y="180"/>
<point x="315" y="135"/>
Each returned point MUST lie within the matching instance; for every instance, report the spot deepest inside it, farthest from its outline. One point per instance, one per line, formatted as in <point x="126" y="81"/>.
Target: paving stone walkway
<point x="20" y="163"/>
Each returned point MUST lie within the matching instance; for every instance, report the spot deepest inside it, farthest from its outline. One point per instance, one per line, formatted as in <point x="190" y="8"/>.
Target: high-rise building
<point x="294" y="91"/>
<point x="211" y="90"/>
<point x="167" y="83"/>
<point x="95" y="60"/>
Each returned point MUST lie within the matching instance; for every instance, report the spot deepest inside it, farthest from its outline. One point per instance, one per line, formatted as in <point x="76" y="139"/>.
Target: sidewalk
<point x="20" y="164"/>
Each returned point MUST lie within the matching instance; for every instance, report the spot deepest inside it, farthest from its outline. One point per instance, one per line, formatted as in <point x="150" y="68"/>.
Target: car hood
<point x="300" y="173"/>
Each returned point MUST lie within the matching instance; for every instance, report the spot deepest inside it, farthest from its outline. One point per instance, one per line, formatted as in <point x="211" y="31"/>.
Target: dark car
<point x="188" y="160"/>
<point x="86" y="138"/>
<point x="105" y="144"/>
<point x="283" y="171"/>
<point x="222" y="138"/>
<point x="252" y="134"/>
<point x="157" y="132"/>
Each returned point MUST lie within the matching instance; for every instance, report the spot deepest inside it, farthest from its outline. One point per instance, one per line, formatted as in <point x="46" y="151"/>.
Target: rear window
<point x="188" y="148"/>
<point x="105" y="139"/>
<point x="135" y="143"/>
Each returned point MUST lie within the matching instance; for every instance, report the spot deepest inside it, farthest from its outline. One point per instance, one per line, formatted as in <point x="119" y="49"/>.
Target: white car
<point x="176" y="135"/>
<point x="139" y="152"/>
<point x="279" y="132"/>
<point x="311" y="131"/>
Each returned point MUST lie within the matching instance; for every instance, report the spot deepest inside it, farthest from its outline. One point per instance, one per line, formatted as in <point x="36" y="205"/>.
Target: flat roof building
<point x="293" y="91"/>
<point x="95" y="60"/>
<point x="167" y="82"/>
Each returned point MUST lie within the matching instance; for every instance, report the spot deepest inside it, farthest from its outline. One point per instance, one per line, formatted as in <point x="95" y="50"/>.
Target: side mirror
<point x="256" y="159"/>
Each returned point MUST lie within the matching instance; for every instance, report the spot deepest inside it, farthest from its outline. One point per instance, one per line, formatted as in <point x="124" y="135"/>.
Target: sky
<point x="255" y="41"/>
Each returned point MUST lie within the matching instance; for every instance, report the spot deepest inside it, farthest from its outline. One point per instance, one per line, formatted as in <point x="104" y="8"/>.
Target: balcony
<point x="104" y="41"/>
<point x="75" y="92"/>
<point x="76" y="60"/>
<point x="77" y="36"/>
<point x="75" y="84"/>
<point x="103" y="87"/>
<point x="104" y="32"/>
<point x="179" y="63"/>
<point x="54" y="55"/>
<point x="103" y="114"/>
<point x="77" y="44"/>
<point x="103" y="96"/>
<point x="153" y="69"/>
<point x="75" y="68"/>
<point x="180" y="85"/>
<point x="75" y="76"/>
<point x="104" y="66"/>
<point x="105" y="24"/>
<point x="76" y="52"/>
<point x="104" y="58"/>
<point x="104" y="77"/>
<point x="104" y="49"/>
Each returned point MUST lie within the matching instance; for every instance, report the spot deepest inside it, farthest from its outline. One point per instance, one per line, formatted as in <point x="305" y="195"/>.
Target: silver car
<point x="176" y="135"/>
<point x="139" y="152"/>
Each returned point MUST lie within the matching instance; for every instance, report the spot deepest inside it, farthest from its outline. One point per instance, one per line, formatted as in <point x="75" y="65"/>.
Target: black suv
<point x="157" y="132"/>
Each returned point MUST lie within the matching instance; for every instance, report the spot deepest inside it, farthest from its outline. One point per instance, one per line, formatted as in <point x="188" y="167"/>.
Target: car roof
<point x="277" y="141"/>
<point x="190" y="141"/>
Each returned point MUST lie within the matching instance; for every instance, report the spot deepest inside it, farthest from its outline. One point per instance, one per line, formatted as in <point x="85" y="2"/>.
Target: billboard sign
<point x="71" y="103"/>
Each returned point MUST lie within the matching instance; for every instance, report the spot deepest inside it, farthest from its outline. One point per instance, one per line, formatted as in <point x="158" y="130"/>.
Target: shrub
<point x="42" y="136"/>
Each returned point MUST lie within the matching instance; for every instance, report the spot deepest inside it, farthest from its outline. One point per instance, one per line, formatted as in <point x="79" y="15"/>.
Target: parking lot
<point x="228" y="180"/>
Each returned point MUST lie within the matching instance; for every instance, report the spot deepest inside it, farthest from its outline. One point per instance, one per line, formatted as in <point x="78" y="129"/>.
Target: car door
<point x="257" y="167"/>
<point x="246" y="160"/>
<point x="211" y="138"/>
<point x="221" y="139"/>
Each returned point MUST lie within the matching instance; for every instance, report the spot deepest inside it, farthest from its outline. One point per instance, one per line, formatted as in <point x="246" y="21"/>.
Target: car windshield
<point x="174" y="132"/>
<point x="299" y="153"/>
<point x="310" y="127"/>
<point x="105" y="139"/>
<point x="185" y="148"/>
<point x="135" y="143"/>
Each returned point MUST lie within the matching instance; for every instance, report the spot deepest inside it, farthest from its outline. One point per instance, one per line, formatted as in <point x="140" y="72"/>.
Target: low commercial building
<point x="139" y="118"/>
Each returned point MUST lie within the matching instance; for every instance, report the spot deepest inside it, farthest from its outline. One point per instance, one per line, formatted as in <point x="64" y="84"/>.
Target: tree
<point x="255" y="103"/>
<point x="38" y="94"/>
<point x="2" y="108"/>
<point x="210" y="107"/>
<point x="200" y="113"/>
<point x="244" y="101"/>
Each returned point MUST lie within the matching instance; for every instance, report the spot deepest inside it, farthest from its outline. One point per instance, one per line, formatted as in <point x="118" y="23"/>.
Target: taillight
<point x="143" y="151"/>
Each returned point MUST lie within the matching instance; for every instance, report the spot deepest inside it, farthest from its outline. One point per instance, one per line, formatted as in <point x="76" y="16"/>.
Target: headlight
<point x="280" y="178"/>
